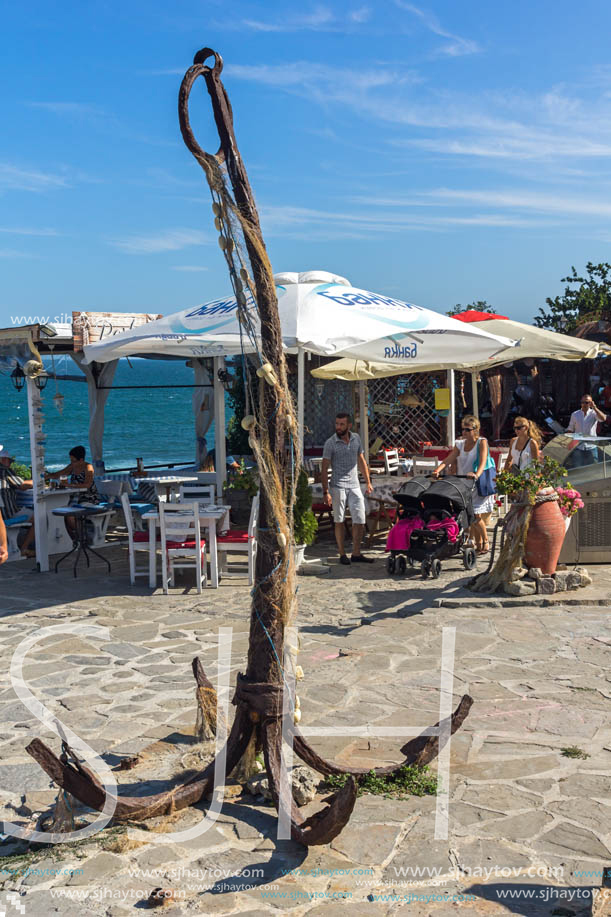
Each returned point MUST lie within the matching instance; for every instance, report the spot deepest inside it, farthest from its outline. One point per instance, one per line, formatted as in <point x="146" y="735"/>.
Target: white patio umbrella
<point x="320" y="313"/>
<point x="534" y="342"/>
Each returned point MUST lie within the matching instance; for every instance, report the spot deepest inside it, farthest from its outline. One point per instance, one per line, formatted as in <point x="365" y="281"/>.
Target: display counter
<point x="587" y="460"/>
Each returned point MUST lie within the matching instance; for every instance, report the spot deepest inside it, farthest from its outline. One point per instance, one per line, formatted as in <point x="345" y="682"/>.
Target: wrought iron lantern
<point x="18" y="377"/>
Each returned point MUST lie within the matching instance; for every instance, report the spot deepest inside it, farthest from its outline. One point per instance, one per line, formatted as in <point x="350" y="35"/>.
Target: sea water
<point x="154" y="423"/>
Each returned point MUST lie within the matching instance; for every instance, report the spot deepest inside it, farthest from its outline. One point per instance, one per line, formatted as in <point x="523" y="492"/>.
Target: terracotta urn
<point x="545" y="535"/>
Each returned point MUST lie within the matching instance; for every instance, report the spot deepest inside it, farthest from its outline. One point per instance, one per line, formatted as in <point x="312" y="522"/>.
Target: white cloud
<point x="293" y="222"/>
<point x="456" y="47"/>
<point x="13" y="178"/>
<point x="362" y="14"/>
<point x="506" y="128"/>
<point x="80" y="109"/>
<point x="22" y="231"/>
<point x="171" y="240"/>
<point x="527" y="200"/>
<point x="323" y="81"/>
<point x="320" y="18"/>
<point x="12" y="253"/>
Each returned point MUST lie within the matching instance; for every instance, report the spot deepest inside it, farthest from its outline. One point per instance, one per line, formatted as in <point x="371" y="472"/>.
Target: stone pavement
<point x="529" y="829"/>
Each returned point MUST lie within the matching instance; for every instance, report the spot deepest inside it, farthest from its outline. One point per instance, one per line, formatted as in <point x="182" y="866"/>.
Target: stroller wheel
<point x="390" y="564"/>
<point x="401" y="565"/>
<point x="436" y="568"/>
<point x="469" y="558"/>
<point x="424" y="569"/>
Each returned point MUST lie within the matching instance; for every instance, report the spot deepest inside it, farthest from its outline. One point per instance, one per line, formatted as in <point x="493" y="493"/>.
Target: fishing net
<point x="273" y="426"/>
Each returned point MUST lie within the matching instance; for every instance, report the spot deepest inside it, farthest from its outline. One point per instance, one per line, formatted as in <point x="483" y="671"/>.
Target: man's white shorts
<point x="356" y="504"/>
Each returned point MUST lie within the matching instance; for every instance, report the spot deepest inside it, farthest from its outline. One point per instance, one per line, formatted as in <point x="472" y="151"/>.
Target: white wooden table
<point x="171" y="482"/>
<point x="209" y="519"/>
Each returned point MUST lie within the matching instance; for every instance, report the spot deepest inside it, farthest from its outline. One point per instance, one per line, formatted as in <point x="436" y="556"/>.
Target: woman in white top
<point x="465" y="456"/>
<point x="524" y="447"/>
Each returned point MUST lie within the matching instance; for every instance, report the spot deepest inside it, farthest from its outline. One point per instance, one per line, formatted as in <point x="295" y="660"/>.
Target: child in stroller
<point x="409" y="518"/>
<point x="446" y="512"/>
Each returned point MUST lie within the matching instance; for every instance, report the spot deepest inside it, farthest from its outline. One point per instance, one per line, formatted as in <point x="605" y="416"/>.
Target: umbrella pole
<point x="300" y="398"/>
<point x="452" y="414"/>
<point x="474" y="394"/>
<point x="220" y="453"/>
<point x="364" y="418"/>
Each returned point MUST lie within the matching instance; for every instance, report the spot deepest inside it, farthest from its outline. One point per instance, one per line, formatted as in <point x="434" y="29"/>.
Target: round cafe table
<point x="81" y="513"/>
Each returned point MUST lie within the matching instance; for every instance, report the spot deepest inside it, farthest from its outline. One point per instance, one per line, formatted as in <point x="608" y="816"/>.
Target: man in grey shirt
<point x="343" y="453"/>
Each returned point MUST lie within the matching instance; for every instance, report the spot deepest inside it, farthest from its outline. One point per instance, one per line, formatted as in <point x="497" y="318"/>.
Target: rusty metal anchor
<point x="259" y="692"/>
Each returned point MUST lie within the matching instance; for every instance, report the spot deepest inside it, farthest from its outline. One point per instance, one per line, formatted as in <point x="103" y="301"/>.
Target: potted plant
<point x="305" y="525"/>
<point x="239" y="489"/>
<point x="535" y="487"/>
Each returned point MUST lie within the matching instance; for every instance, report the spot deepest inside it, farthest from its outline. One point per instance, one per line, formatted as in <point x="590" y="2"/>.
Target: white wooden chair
<point x="181" y="542"/>
<point x="195" y="492"/>
<point x="391" y="461"/>
<point x="137" y="541"/>
<point x="240" y="540"/>
<point x="13" y="530"/>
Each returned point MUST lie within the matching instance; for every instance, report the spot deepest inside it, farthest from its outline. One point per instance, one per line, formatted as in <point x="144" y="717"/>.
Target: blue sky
<point x="439" y="153"/>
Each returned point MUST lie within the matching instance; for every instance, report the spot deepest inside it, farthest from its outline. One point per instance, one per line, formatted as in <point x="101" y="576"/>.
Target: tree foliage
<point x="585" y="299"/>
<point x="479" y="305"/>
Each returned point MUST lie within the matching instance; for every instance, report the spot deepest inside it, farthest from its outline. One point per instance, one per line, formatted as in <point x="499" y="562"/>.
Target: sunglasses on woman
<point x="519" y="427"/>
<point x="467" y="428"/>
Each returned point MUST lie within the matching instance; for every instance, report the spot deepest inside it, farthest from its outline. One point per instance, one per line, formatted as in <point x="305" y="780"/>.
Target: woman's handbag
<point x="486" y="483"/>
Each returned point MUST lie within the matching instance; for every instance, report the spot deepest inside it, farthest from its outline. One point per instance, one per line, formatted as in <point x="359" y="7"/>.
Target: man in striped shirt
<point x="10" y="483"/>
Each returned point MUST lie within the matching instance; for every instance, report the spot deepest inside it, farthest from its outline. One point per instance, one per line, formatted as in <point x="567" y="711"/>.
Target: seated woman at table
<point x="80" y="474"/>
<point x="209" y="461"/>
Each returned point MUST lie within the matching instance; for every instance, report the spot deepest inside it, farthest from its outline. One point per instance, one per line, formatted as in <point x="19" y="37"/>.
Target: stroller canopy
<point x="409" y="494"/>
<point x="451" y="493"/>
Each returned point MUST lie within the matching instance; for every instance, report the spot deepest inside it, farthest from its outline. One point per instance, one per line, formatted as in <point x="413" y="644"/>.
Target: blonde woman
<point x="469" y="453"/>
<point x="525" y="447"/>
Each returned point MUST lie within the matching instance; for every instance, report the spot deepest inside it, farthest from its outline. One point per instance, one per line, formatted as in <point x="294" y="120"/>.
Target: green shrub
<point x="24" y="471"/>
<point x="243" y="478"/>
<point x="305" y="525"/>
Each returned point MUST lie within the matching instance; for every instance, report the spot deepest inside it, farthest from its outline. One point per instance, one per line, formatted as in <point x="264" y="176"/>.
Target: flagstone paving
<point x="523" y="818"/>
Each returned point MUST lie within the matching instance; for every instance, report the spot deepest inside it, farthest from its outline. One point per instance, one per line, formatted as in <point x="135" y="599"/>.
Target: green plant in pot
<point x="542" y="529"/>
<point x="305" y="525"/>
<point x="530" y="481"/>
<point x="239" y="489"/>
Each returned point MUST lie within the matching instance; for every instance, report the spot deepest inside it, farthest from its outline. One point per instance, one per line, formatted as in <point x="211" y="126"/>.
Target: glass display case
<point x="586" y="458"/>
<point x="588" y="462"/>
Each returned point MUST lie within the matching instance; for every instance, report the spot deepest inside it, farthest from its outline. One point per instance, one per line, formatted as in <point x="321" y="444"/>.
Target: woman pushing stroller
<point x="471" y="457"/>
